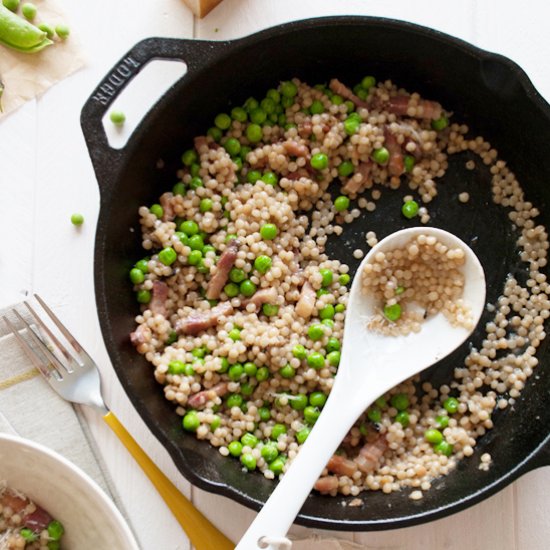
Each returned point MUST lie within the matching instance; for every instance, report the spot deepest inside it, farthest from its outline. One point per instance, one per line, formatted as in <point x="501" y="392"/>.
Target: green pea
<point x="195" y="183"/>
<point x="189" y="227"/>
<point x="287" y="371"/>
<point x="232" y="146"/>
<point x="299" y="402"/>
<point x="346" y="169"/>
<point x="351" y="125"/>
<point x="268" y="105"/>
<point x="328" y="323"/>
<point x="28" y="534"/>
<point x="29" y="11"/>
<point x="215" y="133"/>
<point x="264" y="414"/>
<point x="239" y="114"/>
<point x="189" y="157"/>
<point x="392" y="313"/>
<point x="222" y="121"/>
<point x="311" y="414"/>
<point x="46" y="28"/>
<point x="299" y="351"/>
<point x="234" y="334"/>
<point x="433" y="436"/>
<point x="442" y="421"/>
<point x="333" y="358"/>
<point x="381" y="156"/>
<point x="344" y="279"/>
<point x="410" y="209"/>
<point x="208" y="248"/>
<point x="77" y="219"/>
<point x="168" y="255"/>
<point x="224" y="365"/>
<point x="195" y="257"/>
<point x="237" y="275"/>
<point x="251" y="104"/>
<point x="247" y="288"/>
<point x="327" y="276"/>
<point x="341" y="203"/>
<point x="268" y="231"/>
<point x="269" y="310"/>
<point x="12" y="5"/>
<point x="274" y="95"/>
<point x="248" y="461"/>
<point x="368" y="82"/>
<point x="250" y="369"/>
<point x="196" y="242"/>
<point x="235" y="448"/>
<point x="262" y="263"/>
<point x="179" y="188"/>
<point x="157" y="210"/>
<point x="409" y="162"/>
<point x="117" y="117"/>
<point x="400" y="401"/>
<point x="62" y="31"/>
<point x="234" y="400"/>
<point x="317" y="107"/>
<point x="189" y="370"/>
<point x="236" y="372"/>
<point x="143" y="296"/>
<point x="440" y="124"/>
<point x="317" y="399"/>
<point x="444" y="448"/>
<point x="374" y="414"/>
<point x="316" y="360"/>
<point x="302" y="435"/>
<point x="216" y="422"/>
<point x="172" y="337"/>
<point x="270" y="452"/>
<point x="143" y="265"/>
<point x="258" y="116"/>
<point x="333" y="344"/>
<point x="270" y="178"/>
<point x="327" y="312"/>
<point x="288" y="89"/>
<point x="205" y="205"/>
<point x="194" y="170"/>
<point x="249" y="440"/>
<point x="319" y="161"/>
<point x="451" y="405"/>
<point x="322" y="292"/>
<point x="277" y="431"/>
<point x="54" y="545"/>
<point x="176" y="367"/>
<point x="262" y="374"/>
<point x="403" y="418"/>
<point x="254" y="133"/>
<point x="277" y="465"/>
<point x="339" y="308"/>
<point x="55" y="530"/>
<point x="315" y="332"/>
<point x="191" y="421"/>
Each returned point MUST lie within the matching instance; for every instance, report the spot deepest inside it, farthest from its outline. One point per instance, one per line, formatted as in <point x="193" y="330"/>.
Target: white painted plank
<point x="64" y="255"/>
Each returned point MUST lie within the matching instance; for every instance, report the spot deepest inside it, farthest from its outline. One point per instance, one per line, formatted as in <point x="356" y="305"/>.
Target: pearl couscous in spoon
<point x="372" y="362"/>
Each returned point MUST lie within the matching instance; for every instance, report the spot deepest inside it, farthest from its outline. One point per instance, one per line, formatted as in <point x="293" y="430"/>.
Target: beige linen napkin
<point x="30" y="408"/>
<point x="27" y="75"/>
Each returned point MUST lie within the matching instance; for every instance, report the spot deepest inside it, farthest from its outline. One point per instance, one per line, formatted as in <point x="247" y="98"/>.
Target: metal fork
<point x="73" y="374"/>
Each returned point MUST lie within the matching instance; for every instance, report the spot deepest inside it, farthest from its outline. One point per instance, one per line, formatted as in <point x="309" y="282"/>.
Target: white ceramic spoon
<point x="370" y="365"/>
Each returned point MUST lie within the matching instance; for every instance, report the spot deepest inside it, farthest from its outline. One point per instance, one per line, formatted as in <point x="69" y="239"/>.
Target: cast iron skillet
<point x="486" y="91"/>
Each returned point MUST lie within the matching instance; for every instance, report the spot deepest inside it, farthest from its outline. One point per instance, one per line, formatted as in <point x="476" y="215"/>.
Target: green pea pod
<point x="19" y="34"/>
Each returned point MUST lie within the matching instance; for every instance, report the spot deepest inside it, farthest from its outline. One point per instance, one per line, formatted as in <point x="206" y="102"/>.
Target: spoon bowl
<point x="371" y="363"/>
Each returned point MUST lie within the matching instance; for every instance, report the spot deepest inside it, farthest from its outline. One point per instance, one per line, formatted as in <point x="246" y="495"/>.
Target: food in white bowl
<point x="89" y="518"/>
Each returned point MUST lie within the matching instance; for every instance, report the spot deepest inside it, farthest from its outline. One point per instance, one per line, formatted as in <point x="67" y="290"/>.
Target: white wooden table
<point x="46" y="175"/>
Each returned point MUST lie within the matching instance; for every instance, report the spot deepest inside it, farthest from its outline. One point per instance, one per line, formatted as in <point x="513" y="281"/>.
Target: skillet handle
<point x="196" y="54"/>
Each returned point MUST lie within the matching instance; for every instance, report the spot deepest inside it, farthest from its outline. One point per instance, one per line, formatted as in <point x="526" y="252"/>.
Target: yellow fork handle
<point x="202" y="534"/>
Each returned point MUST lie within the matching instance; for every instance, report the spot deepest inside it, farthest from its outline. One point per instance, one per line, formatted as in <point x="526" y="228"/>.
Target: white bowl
<point x="90" y="518"/>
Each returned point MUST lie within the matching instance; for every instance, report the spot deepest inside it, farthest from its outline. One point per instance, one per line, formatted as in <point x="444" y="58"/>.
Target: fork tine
<point x="57" y="344"/>
<point x="54" y="363"/>
<point x="35" y="360"/>
<point x="70" y="338"/>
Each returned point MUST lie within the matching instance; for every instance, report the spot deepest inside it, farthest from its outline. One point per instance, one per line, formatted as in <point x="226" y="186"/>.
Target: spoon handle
<point x="277" y="515"/>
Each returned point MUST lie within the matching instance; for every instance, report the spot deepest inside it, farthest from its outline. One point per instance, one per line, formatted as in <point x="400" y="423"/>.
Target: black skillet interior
<point x="488" y="92"/>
